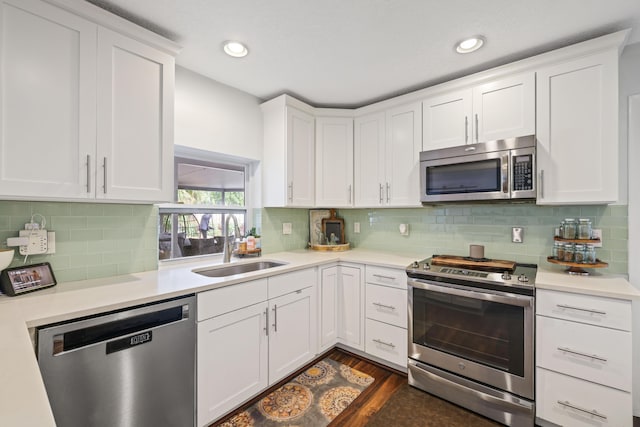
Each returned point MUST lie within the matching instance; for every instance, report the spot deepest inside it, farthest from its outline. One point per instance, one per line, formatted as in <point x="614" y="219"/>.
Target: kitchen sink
<point x="231" y="269"/>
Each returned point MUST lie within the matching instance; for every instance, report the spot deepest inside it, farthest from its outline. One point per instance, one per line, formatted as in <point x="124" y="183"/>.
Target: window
<point x="206" y="194"/>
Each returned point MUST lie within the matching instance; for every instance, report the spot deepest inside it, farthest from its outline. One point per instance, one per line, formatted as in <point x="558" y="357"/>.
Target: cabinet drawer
<point x="580" y="401"/>
<point x="219" y="301"/>
<point x="286" y="283"/>
<point x="386" y="276"/>
<point x="387" y="305"/>
<point x="387" y="342"/>
<point x="601" y="311"/>
<point x="593" y="353"/>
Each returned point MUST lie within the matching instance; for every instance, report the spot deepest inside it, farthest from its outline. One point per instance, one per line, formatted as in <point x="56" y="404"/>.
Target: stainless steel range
<point x="471" y="332"/>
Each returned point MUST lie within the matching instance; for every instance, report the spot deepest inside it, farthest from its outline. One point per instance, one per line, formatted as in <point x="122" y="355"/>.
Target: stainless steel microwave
<point x="495" y="170"/>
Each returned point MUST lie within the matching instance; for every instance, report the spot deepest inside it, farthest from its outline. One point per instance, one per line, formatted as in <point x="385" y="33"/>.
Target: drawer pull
<point x="577" y="353"/>
<point x="586" y="411"/>
<point x="588" y="310"/>
<point x="390" y="307"/>
<point x="388" y="344"/>
<point x="380" y="276"/>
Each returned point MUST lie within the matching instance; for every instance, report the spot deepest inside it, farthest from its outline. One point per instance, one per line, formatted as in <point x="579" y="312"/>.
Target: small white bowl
<point x="6" y="256"/>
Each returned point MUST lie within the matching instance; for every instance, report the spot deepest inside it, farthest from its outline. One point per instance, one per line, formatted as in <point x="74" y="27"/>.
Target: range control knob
<point x="415" y="264"/>
<point x="426" y="266"/>
<point x="522" y="278"/>
<point x="506" y="275"/>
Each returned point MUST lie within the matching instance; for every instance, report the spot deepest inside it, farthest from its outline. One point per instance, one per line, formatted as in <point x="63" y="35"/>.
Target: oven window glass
<point x="473" y="177"/>
<point x="484" y="332"/>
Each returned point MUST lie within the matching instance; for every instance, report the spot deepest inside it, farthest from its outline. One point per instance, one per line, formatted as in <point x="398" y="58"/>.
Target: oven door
<point x="483" y="176"/>
<point x="483" y="335"/>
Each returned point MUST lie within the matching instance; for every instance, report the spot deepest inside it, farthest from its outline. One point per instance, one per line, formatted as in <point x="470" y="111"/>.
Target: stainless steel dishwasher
<point x="130" y="368"/>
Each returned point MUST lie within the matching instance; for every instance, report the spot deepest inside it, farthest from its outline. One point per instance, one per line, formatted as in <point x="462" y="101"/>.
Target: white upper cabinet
<point x="499" y="109"/>
<point x="402" y="155"/>
<point x="48" y="98"/>
<point x="369" y="159"/>
<point x="81" y="104"/>
<point x="334" y="162"/>
<point x="135" y="120"/>
<point x="289" y="154"/>
<point x="577" y="130"/>
<point x="387" y="157"/>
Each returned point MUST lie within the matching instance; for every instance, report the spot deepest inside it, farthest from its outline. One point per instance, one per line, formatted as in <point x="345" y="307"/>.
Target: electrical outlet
<point x="37" y="242"/>
<point x="356" y="227"/>
<point x="51" y="242"/>
<point x="286" y="228"/>
<point x="517" y="234"/>
<point x="596" y="233"/>
<point x="404" y="229"/>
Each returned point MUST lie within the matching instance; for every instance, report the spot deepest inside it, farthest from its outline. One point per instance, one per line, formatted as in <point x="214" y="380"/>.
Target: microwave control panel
<point x="523" y="172"/>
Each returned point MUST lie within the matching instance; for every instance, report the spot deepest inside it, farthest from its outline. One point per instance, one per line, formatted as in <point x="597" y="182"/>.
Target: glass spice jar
<point x="569" y="228"/>
<point x="584" y="228"/>
<point x="589" y="254"/>
<point x="569" y="252"/>
<point x="558" y="251"/>
<point x="578" y="253"/>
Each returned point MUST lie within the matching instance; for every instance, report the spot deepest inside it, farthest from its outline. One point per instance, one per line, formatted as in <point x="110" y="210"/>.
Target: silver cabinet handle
<point x="388" y="191"/>
<point x="104" y="166"/>
<point x="380" y="276"/>
<point x="578" y="353"/>
<point x="388" y="344"/>
<point x="477" y="131"/>
<point x="275" y="318"/>
<point x="466" y="129"/>
<point x="577" y="408"/>
<point x="470" y="149"/>
<point x="290" y="191"/>
<point x="349" y="194"/>
<point x="381" y="194"/>
<point x="390" y="307"/>
<point x="266" y="321"/>
<point x="587" y="310"/>
<point x="88" y="173"/>
<point x="542" y="183"/>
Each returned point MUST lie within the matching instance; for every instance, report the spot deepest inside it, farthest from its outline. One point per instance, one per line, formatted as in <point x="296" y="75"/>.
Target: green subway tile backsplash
<point x="451" y="228"/>
<point x="92" y="239"/>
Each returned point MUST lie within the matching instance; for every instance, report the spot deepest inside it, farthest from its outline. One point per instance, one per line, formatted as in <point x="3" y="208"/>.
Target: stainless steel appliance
<point x="128" y="368"/>
<point x="471" y="334"/>
<point x="496" y="170"/>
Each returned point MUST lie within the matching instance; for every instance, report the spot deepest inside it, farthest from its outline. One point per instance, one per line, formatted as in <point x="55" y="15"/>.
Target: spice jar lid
<point x="584" y="220"/>
<point x="569" y="219"/>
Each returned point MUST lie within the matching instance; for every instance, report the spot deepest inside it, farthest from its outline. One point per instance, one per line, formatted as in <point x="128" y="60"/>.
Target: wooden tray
<point x="251" y="252"/>
<point x="577" y="268"/>
<point x="331" y="248"/>
<point x="465" y="262"/>
<point x="581" y="241"/>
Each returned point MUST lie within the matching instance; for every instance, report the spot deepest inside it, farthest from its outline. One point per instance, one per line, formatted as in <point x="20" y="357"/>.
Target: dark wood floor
<point x="357" y="414"/>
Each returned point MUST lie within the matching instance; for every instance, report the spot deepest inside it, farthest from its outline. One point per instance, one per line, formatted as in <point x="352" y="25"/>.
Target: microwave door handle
<point x="506" y="174"/>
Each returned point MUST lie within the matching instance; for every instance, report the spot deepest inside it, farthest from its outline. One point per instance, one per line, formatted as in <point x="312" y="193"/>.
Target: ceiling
<point x="349" y="53"/>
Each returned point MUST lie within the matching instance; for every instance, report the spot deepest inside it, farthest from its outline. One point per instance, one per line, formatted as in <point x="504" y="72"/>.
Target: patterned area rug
<point x="312" y="399"/>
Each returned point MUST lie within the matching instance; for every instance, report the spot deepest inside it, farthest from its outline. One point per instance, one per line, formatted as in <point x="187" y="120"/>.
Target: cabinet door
<point x="328" y="319"/>
<point x="334" y="161"/>
<point x="232" y="360"/>
<point x="369" y="160"/>
<point x="292" y="333"/>
<point x="350" y="307"/>
<point x="577" y="130"/>
<point x="47" y="105"/>
<point x="504" y="108"/>
<point x="446" y="120"/>
<point x="135" y="120"/>
<point x="300" y="158"/>
<point x="402" y="155"/>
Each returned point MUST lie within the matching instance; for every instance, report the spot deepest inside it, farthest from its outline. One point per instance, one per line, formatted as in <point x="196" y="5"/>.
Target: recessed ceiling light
<point x="235" y="49"/>
<point x="469" y="45"/>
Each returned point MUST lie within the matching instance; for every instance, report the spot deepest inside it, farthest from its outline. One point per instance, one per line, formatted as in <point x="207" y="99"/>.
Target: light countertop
<point x="25" y="402"/>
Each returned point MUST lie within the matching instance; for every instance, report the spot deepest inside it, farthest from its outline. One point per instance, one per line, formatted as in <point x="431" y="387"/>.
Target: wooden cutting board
<point x="465" y="262"/>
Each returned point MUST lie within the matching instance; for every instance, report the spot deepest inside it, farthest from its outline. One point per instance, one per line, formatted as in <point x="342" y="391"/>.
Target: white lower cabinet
<point x="387" y="342"/>
<point x="350" y="307"/>
<point x="250" y="336"/>
<point x="583" y="358"/>
<point x="328" y="308"/>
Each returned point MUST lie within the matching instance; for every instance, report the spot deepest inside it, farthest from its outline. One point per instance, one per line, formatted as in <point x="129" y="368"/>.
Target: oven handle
<point x="511" y="299"/>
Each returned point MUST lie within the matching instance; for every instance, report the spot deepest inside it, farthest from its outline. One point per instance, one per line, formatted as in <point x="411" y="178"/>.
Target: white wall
<point x="215" y="117"/>
<point x="630" y="139"/>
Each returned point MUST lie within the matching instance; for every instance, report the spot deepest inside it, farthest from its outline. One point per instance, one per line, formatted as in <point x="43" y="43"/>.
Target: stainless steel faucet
<point x="228" y="243"/>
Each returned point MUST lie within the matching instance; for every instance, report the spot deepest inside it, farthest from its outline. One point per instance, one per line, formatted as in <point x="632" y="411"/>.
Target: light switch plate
<point x="517" y="234"/>
<point x="286" y="228"/>
<point x="596" y="233"/>
<point x="356" y="227"/>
